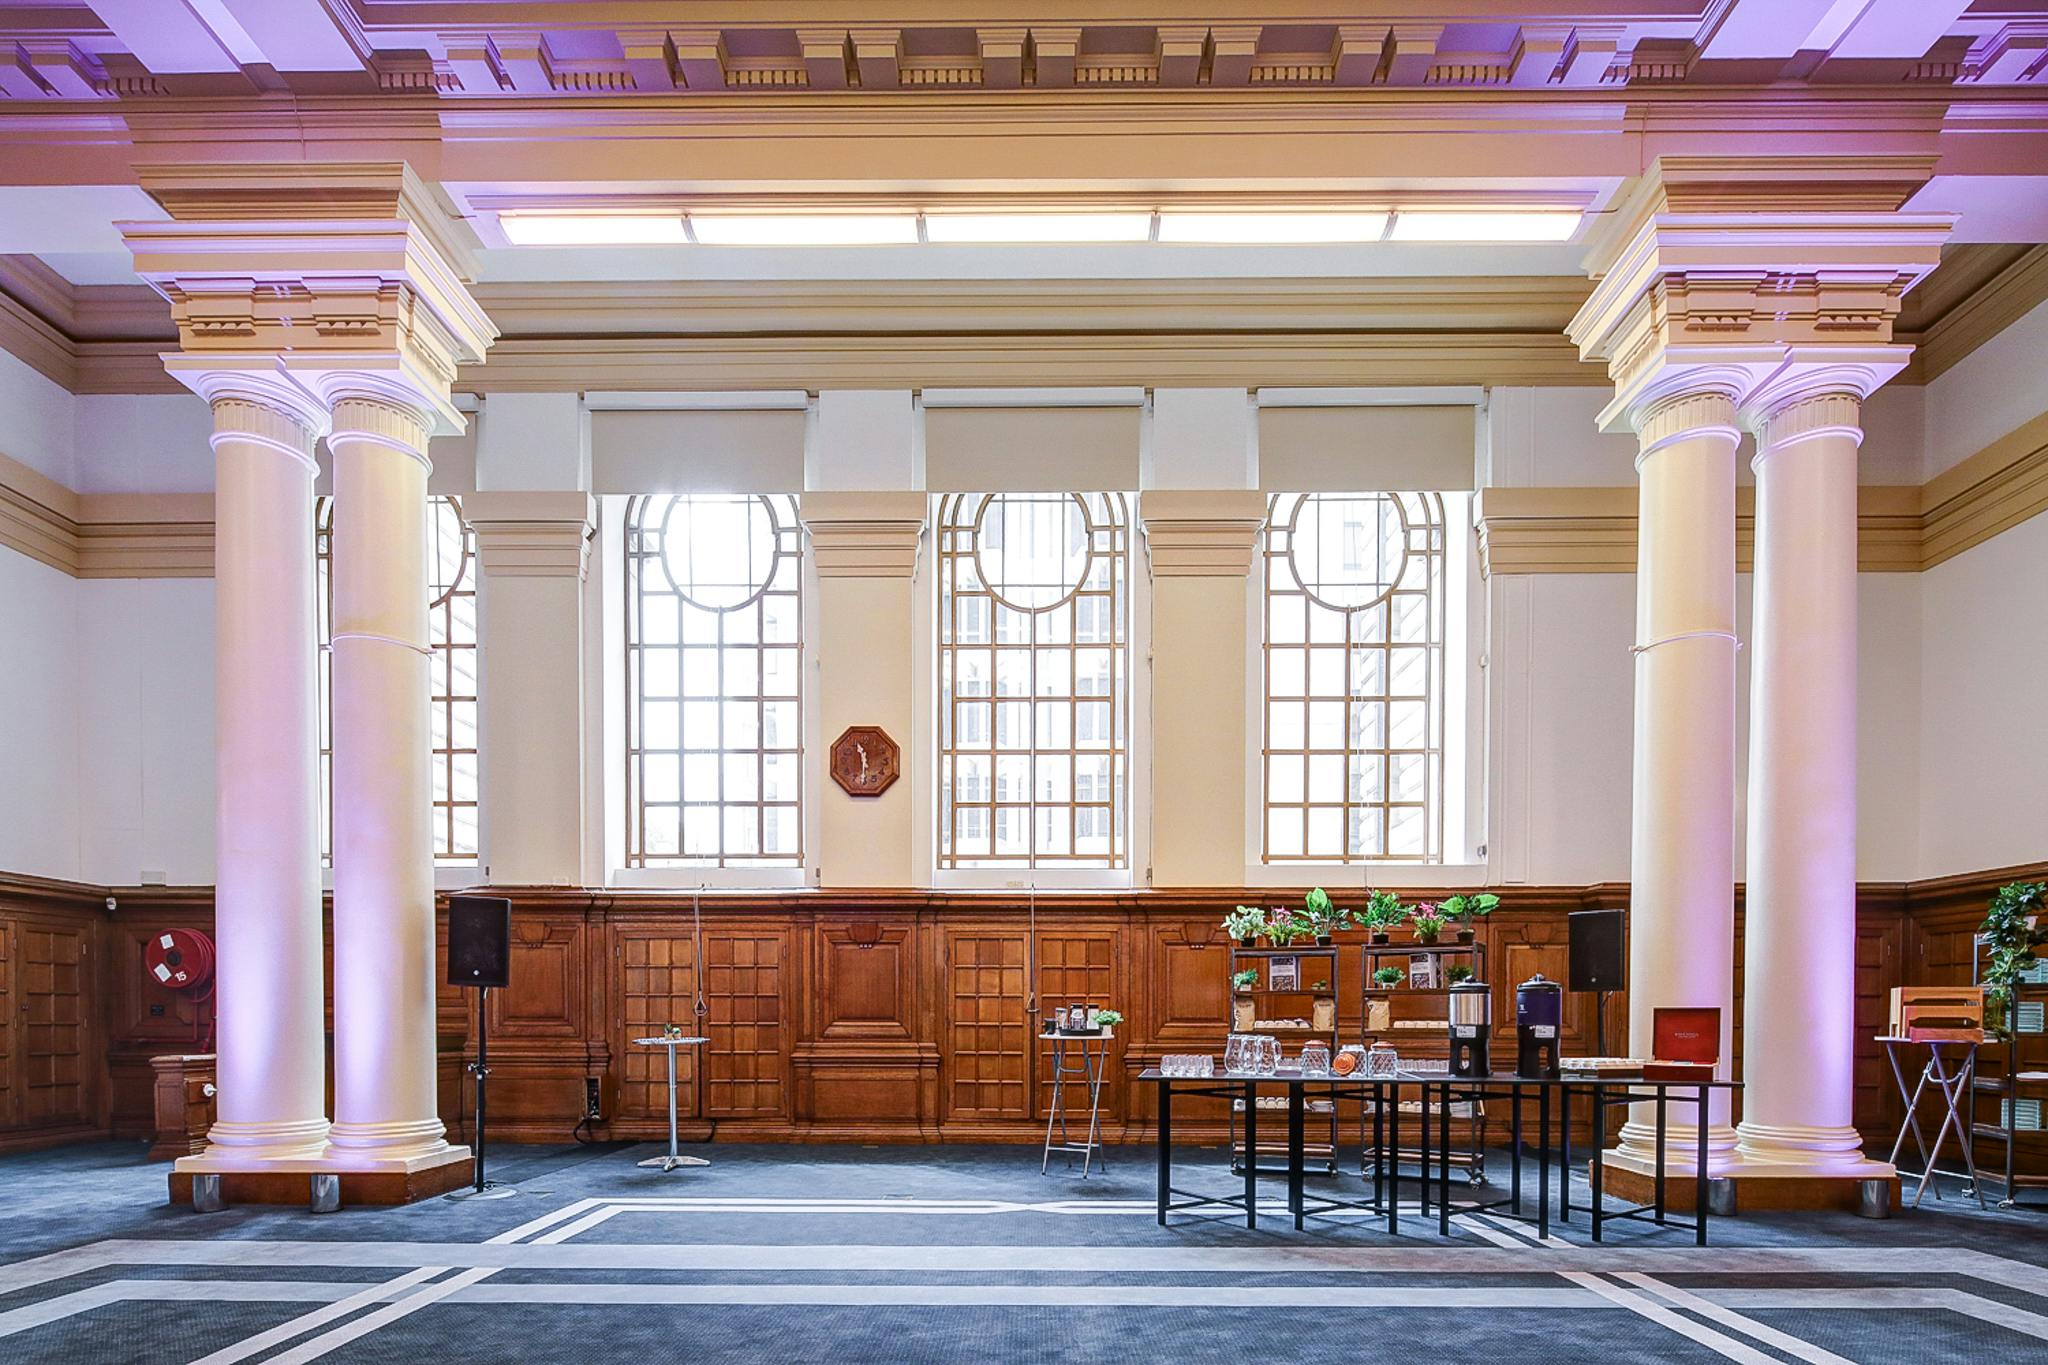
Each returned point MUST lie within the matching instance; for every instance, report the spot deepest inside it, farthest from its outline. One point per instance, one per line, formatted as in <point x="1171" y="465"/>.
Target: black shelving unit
<point x="2021" y="1060"/>
<point x="1273" y="1136"/>
<point x="1472" y="1159"/>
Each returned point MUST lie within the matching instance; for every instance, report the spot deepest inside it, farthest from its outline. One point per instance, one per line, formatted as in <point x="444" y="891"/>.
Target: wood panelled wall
<point x="864" y="1016"/>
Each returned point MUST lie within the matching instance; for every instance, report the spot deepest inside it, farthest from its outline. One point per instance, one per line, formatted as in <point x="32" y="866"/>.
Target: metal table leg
<point x="1443" y="1159"/>
<point x="1699" y="1174"/>
<point x="1663" y="1105"/>
<point x="1251" y="1153"/>
<point x="1165" y="1145"/>
<point x="1295" y="1162"/>
<point x="1394" y="1165"/>
<point x="1598" y="1195"/>
<point x="1543" y="1161"/>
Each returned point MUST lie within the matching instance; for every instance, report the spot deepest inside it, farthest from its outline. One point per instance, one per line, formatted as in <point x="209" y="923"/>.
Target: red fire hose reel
<point x="182" y="960"/>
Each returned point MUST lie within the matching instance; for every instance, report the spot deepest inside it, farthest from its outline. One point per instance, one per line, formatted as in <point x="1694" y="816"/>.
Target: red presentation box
<point x="1687" y="1040"/>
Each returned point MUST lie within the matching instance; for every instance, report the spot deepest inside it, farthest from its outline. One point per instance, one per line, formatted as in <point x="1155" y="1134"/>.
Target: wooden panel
<point x="656" y="988"/>
<point x="745" y="1065"/>
<point x="1080" y="968"/>
<point x="866" y="981"/>
<point x="9" y="1031"/>
<point x="987" y="1038"/>
<point x="545" y="997"/>
<point x="1191" y="979"/>
<point x="53" y="1067"/>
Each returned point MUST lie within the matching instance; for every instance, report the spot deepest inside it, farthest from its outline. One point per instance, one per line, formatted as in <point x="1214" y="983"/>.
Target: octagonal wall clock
<point x="865" y="760"/>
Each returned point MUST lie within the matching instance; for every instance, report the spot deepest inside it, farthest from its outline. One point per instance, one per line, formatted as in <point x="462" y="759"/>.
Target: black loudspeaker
<point x="479" y="941"/>
<point x="1599" y="958"/>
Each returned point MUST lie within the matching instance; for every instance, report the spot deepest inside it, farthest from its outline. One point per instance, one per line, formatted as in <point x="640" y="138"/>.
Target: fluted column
<point x="272" y="1045"/>
<point x="1799" y="966"/>
<point x="1682" y="829"/>
<point x="384" y="1078"/>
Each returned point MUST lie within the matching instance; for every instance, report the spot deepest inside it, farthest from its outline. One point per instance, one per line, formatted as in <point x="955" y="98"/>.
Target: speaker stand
<point x="480" y="1068"/>
<point x="1599" y="1023"/>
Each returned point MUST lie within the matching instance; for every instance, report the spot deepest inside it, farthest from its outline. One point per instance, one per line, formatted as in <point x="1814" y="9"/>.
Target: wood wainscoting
<point x="871" y="1016"/>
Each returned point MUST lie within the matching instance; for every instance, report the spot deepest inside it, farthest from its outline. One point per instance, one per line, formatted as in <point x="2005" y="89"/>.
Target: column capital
<point x="532" y="534"/>
<point x="1201" y="533"/>
<point x="338" y="278"/>
<point x="259" y="406"/>
<point x="863" y="534"/>
<point x="1823" y="375"/>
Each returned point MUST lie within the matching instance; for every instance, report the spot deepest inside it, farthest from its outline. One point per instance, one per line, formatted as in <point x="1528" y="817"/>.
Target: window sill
<point x="709" y="878"/>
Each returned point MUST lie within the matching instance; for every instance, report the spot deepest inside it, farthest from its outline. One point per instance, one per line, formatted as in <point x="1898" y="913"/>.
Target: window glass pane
<point x="716" y="725"/>
<point x="1033" y="731"/>
<point x="1354" y="722"/>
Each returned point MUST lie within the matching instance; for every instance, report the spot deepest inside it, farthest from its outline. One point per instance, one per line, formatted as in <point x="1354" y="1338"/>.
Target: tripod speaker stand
<point x="480" y="955"/>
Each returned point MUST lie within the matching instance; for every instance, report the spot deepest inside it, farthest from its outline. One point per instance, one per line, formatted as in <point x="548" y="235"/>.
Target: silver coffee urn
<point x="1471" y="1028"/>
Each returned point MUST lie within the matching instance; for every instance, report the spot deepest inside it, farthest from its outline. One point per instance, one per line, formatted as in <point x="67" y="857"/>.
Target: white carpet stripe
<point x="1728" y="1317"/>
<point x="1480" y="1228"/>
<point x="383" y="1317"/>
<point x="547" y="1220"/>
<point x="1664" y="1317"/>
<point x="319" y="1317"/>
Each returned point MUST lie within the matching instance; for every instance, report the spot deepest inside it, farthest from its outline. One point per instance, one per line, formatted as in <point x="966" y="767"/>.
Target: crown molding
<point x="1995" y="300"/>
<point x="1899" y="528"/>
<point x="105" y="535"/>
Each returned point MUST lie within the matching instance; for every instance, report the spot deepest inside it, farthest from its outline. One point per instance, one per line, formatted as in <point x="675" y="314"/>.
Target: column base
<point x="1638" y="1149"/>
<point x="1870" y="1195"/>
<point x="288" y="1180"/>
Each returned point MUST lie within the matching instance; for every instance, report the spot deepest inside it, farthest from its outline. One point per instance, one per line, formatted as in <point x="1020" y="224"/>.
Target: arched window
<point x="451" y="669"/>
<point x="1354" y="655"/>
<point x="1034" y="694"/>
<point x="714" y="655"/>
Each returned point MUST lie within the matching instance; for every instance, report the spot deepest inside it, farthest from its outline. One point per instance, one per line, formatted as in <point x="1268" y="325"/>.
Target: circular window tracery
<point x="1348" y="551"/>
<point x="1033" y="550"/>
<point x="720" y="552"/>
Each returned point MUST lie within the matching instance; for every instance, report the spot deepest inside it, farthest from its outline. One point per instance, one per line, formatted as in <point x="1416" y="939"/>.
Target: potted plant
<point x="2010" y="932"/>
<point x="1382" y="912"/>
<point x="1319" y="986"/>
<point x="1245" y="924"/>
<point x="1457" y="972"/>
<point x="1389" y="977"/>
<point x="1107" y="1019"/>
<point x="1282" y="928"/>
<point x="1321" y="918"/>
<point x="1245" y="979"/>
<point x="1428" y="922"/>
<point x="1463" y="910"/>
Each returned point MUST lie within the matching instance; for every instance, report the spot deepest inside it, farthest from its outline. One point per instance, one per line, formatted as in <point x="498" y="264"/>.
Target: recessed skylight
<point x="1483" y="225"/>
<point x="1278" y="225"/>
<point x="593" y="229"/>
<point x="1027" y="228"/>
<point x="804" y="229"/>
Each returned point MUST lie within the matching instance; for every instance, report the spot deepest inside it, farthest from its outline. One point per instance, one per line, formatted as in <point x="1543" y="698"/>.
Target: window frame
<point x="1464" y="854"/>
<point x="928" y="696"/>
<point x="607" y="803"/>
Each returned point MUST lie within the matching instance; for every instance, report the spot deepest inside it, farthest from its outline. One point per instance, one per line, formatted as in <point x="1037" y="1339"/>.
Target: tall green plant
<point x="2009" y="943"/>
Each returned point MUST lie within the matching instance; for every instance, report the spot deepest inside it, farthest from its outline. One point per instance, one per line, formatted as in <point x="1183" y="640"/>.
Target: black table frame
<point x="1384" y="1093"/>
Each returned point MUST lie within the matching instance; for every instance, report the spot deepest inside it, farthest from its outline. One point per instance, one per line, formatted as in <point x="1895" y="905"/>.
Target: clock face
<point x="864" y="760"/>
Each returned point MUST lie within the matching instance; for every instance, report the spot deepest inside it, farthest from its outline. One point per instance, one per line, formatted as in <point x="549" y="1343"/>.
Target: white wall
<point x="145" y="650"/>
<point x="35" y="421"/>
<point x="39" y="687"/>
<point x="1984" y="713"/>
<point x="1995" y="389"/>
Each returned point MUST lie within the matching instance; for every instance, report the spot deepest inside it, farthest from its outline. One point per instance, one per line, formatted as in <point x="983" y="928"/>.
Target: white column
<point x="1682" y="904"/>
<point x="272" y="1044"/>
<point x="1799" y="977"/>
<point x="384" y="1100"/>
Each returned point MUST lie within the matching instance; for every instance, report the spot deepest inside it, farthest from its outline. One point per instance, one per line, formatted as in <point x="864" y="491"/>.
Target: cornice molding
<point x="105" y="535"/>
<point x="1201" y="533"/>
<point x="863" y="534"/>
<point x="532" y="534"/>
<point x="1899" y="528"/>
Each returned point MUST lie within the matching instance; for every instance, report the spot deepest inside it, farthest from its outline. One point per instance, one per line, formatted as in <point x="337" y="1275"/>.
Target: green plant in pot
<point x="1243" y="980"/>
<point x="1245" y="924"/>
<point x="1463" y="910"/>
<point x="1382" y="912"/>
<point x="1322" y="918"/>
<point x="2011" y="931"/>
<point x="1107" y="1018"/>
<point x="1427" y="921"/>
<point x="1389" y="977"/>
<point x="1282" y="928"/>
<point x="1457" y="972"/>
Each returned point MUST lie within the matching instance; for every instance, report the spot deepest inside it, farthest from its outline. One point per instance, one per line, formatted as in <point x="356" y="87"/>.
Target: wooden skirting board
<point x="894" y="1016"/>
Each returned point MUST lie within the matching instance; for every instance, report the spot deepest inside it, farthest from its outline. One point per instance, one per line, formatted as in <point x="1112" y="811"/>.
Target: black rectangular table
<point x="1384" y="1093"/>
